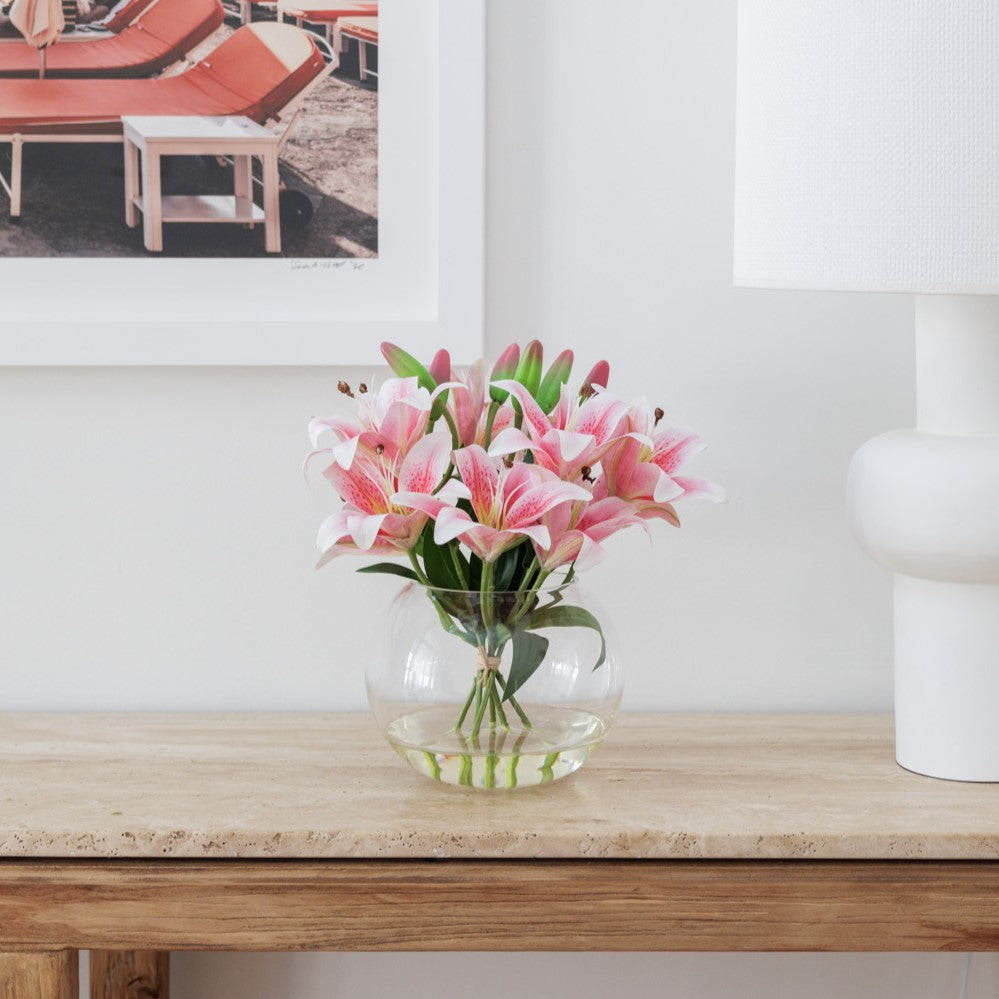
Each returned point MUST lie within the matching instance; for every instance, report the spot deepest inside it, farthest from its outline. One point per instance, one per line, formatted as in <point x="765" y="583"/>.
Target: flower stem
<point x="420" y="574"/>
<point x="547" y="776"/>
<point x="490" y="420"/>
<point x="455" y="436"/>
<point x="513" y="703"/>
<point x="525" y="603"/>
<point x="468" y="704"/>
<point x="486" y="595"/>
<point x="499" y="708"/>
<point x="458" y="567"/>
<point x="481" y="699"/>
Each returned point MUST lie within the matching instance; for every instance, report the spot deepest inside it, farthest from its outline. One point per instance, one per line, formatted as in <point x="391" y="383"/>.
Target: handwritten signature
<point x="326" y="265"/>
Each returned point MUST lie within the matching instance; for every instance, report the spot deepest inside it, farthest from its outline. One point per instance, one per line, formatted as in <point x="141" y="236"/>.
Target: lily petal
<point x="424" y="467"/>
<point x="482" y="478"/>
<point x="510" y="441"/>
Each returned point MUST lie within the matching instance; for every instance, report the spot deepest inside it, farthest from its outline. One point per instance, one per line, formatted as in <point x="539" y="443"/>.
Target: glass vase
<point x="494" y="690"/>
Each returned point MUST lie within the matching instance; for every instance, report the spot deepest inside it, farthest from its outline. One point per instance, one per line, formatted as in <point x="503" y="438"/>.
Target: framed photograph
<point x="387" y="153"/>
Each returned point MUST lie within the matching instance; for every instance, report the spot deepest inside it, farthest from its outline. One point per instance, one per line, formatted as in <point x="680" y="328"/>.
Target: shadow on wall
<point x="580" y="976"/>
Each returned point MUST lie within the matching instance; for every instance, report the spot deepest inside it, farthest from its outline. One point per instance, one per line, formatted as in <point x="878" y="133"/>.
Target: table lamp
<point x="867" y="159"/>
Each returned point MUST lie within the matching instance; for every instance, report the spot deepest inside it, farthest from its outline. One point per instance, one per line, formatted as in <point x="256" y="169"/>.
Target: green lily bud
<point x="405" y="365"/>
<point x="505" y="368"/>
<point x="529" y="369"/>
<point x="557" y="375"/>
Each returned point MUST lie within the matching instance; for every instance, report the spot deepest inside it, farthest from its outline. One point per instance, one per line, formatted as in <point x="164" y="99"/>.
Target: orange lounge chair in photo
<point x="123" y="16"/>
<point x="158" y="34"/>
<point x="364" y="30"/>
<point x="261" y="71"/>
<point x="324" y="12"/>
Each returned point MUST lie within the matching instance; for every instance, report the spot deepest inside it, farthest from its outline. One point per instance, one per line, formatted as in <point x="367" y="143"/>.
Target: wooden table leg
<point x="53" y="974"/>
<point x="129" y="974"/>
<point x="272" y="202"/>
<point x="242" y="168"/>
<point x="152" y="205"/>
<point x="131" y="183"/>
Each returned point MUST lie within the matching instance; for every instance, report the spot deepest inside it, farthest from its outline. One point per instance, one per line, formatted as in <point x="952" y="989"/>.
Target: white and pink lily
<point x="372" y="522"/>
<point x="577" y="530"/>
<point x="574" y="436"/>
<point x="643" y="465"/>
<point x="394" y="417"/>
<point x="469" y="410"/>
<point x="508" y="504"/>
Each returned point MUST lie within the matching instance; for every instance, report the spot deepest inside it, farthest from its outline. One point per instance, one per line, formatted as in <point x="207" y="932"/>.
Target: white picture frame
<point x="424" y="291"/>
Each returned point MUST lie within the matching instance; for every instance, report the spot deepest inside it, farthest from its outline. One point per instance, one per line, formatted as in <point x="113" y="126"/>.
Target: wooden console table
<point x="133" y="835"/>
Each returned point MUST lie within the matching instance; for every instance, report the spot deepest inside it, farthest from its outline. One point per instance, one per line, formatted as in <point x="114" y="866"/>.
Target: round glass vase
<point x="496" y="690"/>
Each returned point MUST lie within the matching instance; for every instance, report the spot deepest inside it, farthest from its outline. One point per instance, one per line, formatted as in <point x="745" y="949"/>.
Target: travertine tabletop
<point x="327" y="786"/>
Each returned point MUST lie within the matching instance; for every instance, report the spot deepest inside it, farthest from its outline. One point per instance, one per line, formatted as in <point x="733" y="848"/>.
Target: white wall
<point x="157" y="536"/>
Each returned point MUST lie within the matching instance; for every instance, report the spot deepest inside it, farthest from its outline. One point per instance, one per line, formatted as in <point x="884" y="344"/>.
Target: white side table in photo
<point x="237" y="137"/>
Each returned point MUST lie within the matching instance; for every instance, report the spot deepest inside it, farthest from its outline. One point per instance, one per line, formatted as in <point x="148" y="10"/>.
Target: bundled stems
<point x="488" y="692"/>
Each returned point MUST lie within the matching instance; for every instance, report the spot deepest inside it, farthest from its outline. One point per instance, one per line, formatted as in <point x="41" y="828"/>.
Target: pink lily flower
<point x="577" y="531"/>
<point x="371" y="522"/>
<point x="575" y="435"/>
<point x="642" y="466"/>
<point x="394" y="417"/>
<point x="508" y="504"/>
<point x="466" y="406"/>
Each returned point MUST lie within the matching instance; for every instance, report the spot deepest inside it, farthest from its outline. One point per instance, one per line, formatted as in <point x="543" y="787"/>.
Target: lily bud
<point x="529" y="370"/>
<point x="504" y="369"/>
<point x="406" y="366"/>
<point x="440" y="371"/>
<point x="600" y="375"/>
<point x="440" y="367"/>
<point x="557" y="375"/>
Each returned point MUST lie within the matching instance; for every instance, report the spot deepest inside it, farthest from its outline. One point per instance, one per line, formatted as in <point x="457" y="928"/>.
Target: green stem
<point x="511" y="770"/>
<point x="455" y="437"/>
<point x="486" y="595"/>
<point x="499" y="708"/>
<point x="452" y="548"/>
<point x="525" y="603"/>
<point x="546" y="768"/>
<point x="490" y="420"/>
<point x="479" y="704"/>
<point x="435" y="768"/>
<point x="468" y="704"/>
<point x="513" y="702"/>
<point x="420" y="574"/>
<point x="482" y="699"/>
<point x="465" y="773"/>
<point x="444" y="478"/>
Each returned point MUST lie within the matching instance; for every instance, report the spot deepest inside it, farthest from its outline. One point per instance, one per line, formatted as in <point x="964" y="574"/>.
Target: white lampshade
<point x="867" y="145"/>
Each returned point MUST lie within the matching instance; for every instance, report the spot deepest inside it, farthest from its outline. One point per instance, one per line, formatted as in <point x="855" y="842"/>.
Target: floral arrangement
<point x="489" y="486"/>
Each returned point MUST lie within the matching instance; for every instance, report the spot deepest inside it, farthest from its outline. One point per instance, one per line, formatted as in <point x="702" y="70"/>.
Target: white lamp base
<point x="924" y="503"/>
<point x="947" y="678"/>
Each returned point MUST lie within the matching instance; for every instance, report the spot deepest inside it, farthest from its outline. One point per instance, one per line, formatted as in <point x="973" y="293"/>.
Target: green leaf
<point x="567" y="616"/>
<point x="506" y="566"/>
<point x="390" y="569"/>
<point x="450" y="626"/>
<point x="528" y="652"/>
<point x="437" y="563"/>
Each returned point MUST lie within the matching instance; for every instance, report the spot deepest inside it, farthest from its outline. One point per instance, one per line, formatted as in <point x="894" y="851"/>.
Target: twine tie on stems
<point x="487" y="662"/>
